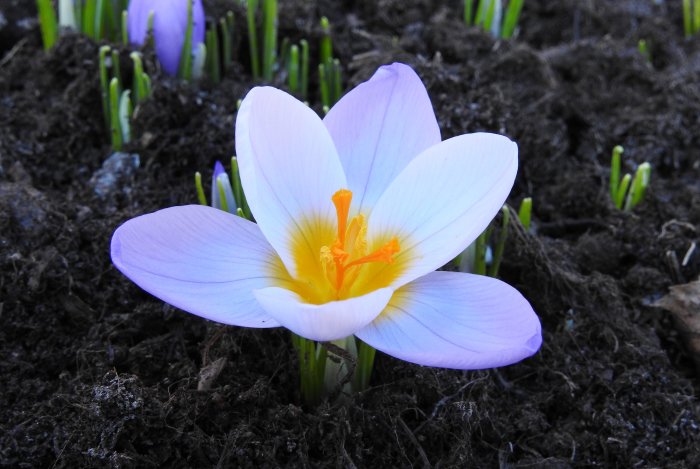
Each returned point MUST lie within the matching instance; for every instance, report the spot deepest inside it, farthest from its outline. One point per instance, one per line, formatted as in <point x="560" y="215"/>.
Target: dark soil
<point x="96" y="373"/>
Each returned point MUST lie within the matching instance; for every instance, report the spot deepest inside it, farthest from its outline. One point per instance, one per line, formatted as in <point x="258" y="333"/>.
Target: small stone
<point x="114" y="173"/>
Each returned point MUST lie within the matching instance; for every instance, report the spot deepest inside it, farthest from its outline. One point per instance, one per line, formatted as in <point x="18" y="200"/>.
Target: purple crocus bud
<point x="169" y="27"/>
<point x="221" y="182"/>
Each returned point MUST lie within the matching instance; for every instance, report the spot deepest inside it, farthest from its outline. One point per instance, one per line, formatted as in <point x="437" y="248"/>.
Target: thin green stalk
<point x="88" y="18"/>
<point x="323" y="83"/>
<point x="622" y="190"/>
<point x="99" y="19"/>
<point x="337" y="82"/>
<point x="104" y="84"/>
<point x="293" y="69"/>
<point x="326" y="48"/>
<point x="115" y="126"/>
<point x="225" y="42"/>
<point x="365" y="363"/>
<point x="201" y="198"/>
<point x="237" y="187"/>
<point x="490" y="14"/>
<point x="480" y="255"/>
<point x="253" y="38"/>
<point x="468" y="7"/>
<point x="511" y="19"/>
<point x="186" y="52"/>
<point x="615" y="172"/>
<point x="500" y="244"/>
<point x="222" y="195"/>
<point x="639" y="186"/>
<point x="126" y="109"/>
<point x="213" y="66"/>
<point x="139" y="85"/>
<point x="304" y="68"/>
<point x="525" y="212"/>
<point x="481" y="12"/>
<point x="269" y="38"/>
<point x="116" y="66"/>
<point x="228" y="47"/>
<point x="47" y="22"/>
<point x="687" y="18"/>
<point x="312" y="365"/>
<point x="696" y="16"/>
<point x="125" y="31"/>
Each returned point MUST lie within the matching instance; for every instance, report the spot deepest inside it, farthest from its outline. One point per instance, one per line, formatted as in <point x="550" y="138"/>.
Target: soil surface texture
<point x="94" y="372"/>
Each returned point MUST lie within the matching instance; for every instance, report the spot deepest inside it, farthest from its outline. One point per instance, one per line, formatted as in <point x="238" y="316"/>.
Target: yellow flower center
<point x="334" y="260"/>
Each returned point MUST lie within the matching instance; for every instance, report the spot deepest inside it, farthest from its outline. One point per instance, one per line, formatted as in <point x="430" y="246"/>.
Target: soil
<point x="97" y="373"/>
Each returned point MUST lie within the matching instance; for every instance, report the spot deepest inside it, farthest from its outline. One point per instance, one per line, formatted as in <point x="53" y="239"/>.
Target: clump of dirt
<point x="98" y="373"/>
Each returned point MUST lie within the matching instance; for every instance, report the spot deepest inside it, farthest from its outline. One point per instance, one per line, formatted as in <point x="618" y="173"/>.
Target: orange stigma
<point x="342" y="259"/>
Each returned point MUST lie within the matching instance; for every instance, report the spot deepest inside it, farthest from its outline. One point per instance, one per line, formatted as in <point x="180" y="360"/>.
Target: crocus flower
<point x="354" y="214"/>
<point x="220" y="181"/>
<point x="169" y="26"/>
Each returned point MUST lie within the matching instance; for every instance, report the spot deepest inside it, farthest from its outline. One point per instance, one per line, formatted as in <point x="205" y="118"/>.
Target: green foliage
<point x="489" y="16"/>
<point x="269" y="38"/>
<point x="691" y="17"/>
<point x="47" y="21"/>
<point x="329" y="69"/>
<point x="628" y="192"/>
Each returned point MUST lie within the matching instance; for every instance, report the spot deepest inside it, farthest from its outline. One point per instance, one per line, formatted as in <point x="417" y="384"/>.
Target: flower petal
<point x="289" y="168"/>
<point x="328" y="321"/>
<point x="379" y="127"/>
<point x="199" y="259"/>
<point x="455" y="320"/>
<point x="169" y="26"/>
<point x="443" y="200"/>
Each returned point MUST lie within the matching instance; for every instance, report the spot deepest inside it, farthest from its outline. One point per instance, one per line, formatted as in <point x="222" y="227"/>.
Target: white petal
<point x="379" y="127"/>
<point x="456" y="320"/>
<point x="289" y="168"/>
<point x="443" y="200"/>
<point x="328" y="321"/>
<point x="199" y="259"/>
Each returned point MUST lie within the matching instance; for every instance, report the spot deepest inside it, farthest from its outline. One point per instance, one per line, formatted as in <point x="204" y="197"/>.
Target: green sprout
<point x="97" y="19"/>
<point x="643" y="48"/>
<point x="329" y="69"/>
<point x="691" y="17"/>
<point x="478" y="258"/>
<point x="628" y="192"/>
<point x="117" y="104"/>
<point x="269" y="39"/>
<point x="489" y="13"/>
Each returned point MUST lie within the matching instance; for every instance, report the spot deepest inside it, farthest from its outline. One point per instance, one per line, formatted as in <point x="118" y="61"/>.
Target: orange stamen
<point x="383" y="254"/>
<point x="338" y="253"/>
<point x="341" y="200"/>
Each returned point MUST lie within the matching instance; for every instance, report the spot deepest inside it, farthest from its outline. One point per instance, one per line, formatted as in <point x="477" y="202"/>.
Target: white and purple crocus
<point x="169" y="26"/>
<point x="354" y="214"/>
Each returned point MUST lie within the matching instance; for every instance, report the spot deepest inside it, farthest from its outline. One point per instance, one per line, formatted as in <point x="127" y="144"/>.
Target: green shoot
<point x="639" y="186"/>
<point x="324" y="85"/>
<point x="643" y="48"/>
<point x="489" y="16"/>
<point x="363" y="369"/>
<point x="269" y="38"/>
<point x="201" y="198"/>
<point x="326" y="42"/>
<point x="500" y="243"/>
<point x="468" y="6"/>
<point x="104" y="83"/>
<point x="185" y="71"/>
<point x="237" y="187"/>
<point x="226" y="25"/>
<point x="253" y="38"/>
<point x="115" y="122"/>
<point x="140" y="83"/>
<point x="312" y="367"/>
<point x="525" y="212"/>
<point x="511" y="18"/>
<point x="304" y="79"/>
<point x="628" y="192"/>
<point x="691" y="17"/>
<point x="116" y="65"/>
<point x="615" y="172"/>
<point x="125" y="31"/>
<point x="47" y="21"/>
<point x="126" y="109"/>
<point x="293" y="69"/>
<point x="213" y="66"/>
